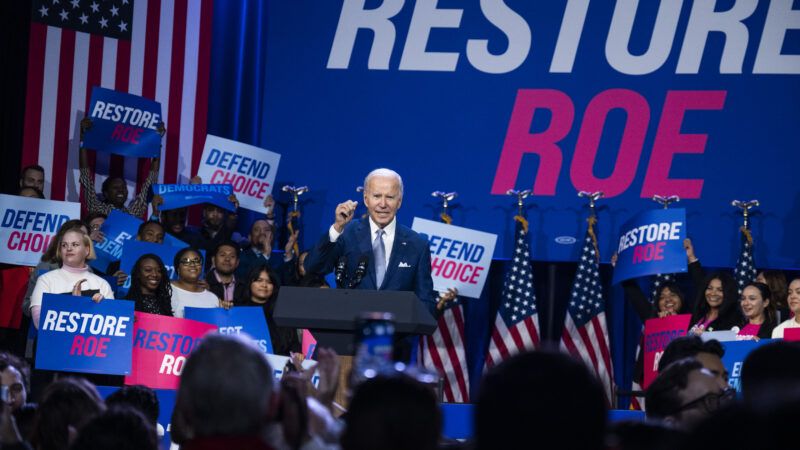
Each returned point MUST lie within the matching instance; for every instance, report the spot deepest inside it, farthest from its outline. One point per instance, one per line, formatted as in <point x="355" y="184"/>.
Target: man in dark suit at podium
<point x="377" y="252"/>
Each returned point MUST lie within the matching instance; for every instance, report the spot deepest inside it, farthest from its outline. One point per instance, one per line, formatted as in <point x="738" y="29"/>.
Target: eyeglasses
<point x="711" y="401"/>
<point x="191" y="262"/>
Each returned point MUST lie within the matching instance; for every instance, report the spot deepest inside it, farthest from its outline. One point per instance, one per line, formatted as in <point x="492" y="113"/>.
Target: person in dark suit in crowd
<point x="221" y="279"/>
<point x="397" y="258"/>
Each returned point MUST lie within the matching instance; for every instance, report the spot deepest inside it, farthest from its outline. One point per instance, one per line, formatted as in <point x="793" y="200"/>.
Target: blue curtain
<point x="236" y="87"/>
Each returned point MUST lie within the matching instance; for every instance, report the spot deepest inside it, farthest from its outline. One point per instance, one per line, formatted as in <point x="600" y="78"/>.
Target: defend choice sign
<point x="460" y="257"/>
<point x="250" y="170"/>
<point x="658" y="333"/>
<point x="124" y="124"/>
<point x="27" y="226"/>
<point x="79" y="335"/>
<point x="160" y="347"/>
<point x="650" y="243"/>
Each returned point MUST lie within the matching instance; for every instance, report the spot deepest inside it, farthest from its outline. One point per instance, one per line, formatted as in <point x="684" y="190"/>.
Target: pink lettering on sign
<point x="668" y="141"/>
<point x="453" y="270"/>
<point x="89" y="346"/>
<point x="126" y="133"/>
<point x="648" y="252"/>
<point x="630" y="150"/>
<point x="520" y="141"/>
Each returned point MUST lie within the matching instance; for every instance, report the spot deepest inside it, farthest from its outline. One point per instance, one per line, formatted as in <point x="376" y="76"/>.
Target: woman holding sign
<point x="759" y="312"/>
<point x="150" y="287"/>
<point x="794" y="305"/>
<point x="262" y="290"/>
<point x="186" y="290"/>
<point x="74" y="277"/>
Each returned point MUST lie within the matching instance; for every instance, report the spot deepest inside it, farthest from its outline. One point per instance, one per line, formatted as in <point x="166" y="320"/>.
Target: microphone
<point x="361" y="270"/>
<point x="340" y="271"/>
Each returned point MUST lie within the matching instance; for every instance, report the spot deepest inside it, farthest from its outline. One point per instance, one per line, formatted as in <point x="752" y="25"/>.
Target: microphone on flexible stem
<point x="340" y="271"/>
<point x="361" y="270"/>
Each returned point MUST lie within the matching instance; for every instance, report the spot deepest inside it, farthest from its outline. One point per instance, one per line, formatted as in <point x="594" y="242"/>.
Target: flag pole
<point x="446" y="198"/>
<point x="295" y="192"/>
<point x="592" y="220"/>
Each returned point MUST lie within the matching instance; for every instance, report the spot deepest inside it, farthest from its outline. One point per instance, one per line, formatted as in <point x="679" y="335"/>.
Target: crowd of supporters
<point x="227" y="397"/>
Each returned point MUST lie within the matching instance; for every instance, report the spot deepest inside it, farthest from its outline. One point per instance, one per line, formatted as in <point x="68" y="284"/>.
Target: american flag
<point x="159" y="49"/>
<point x="516" y="326"/>
<point x="585" y="334"/>
<point x="745" y="271"/>
<point x="444" y="351"/>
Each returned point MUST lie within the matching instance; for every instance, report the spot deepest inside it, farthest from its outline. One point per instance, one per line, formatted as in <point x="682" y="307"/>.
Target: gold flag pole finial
<point x="746" y="206"/>
<point x="446" y="198"/>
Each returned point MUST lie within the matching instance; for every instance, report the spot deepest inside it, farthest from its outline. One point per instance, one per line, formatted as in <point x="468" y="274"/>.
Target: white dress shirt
<point x="388" y="237"/>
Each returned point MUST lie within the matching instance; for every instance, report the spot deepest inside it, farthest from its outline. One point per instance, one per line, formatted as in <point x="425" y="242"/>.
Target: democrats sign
<point x="161" y="345"/>
<point x="133" y="250"/>
<point x="632" y="98"/>
<point x="124" y="124"/>
<point x="28" y="225"/>
<point x="651" y="243"/>
<point x="246" y="320"/>
<point x="79" y="335"/>
<point x="249" y="169"/>
<point x="182" y="195"/>
<point x="460" y="257"/>
<point x="658" y="333"/>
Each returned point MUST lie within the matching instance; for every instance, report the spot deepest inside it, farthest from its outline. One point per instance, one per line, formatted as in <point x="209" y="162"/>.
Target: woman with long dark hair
<point x="758" y="310"/>
<point x="150" y="287"/>
<point x="261" y="289"/>
<point x="716" y="307"/>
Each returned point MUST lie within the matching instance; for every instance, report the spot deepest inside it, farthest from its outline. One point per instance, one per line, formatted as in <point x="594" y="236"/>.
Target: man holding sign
<point x="115" y="189"/>
<point x="377" y="252"/>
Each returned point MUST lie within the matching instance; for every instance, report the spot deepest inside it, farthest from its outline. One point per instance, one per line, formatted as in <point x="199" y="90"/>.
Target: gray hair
<point x="387" y="173"/>
<point x="225" y="387"/>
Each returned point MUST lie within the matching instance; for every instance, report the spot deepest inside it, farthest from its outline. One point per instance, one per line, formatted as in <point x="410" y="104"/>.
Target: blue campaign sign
<point x="134" y="249"/>
<point x="651" y="243"/>
<point x="182" y="195"/>
<point x="247" y="320"/>
<point x="634" y="99"/>
<point x="79" y="335"/>
<point x="124" y="124"/>
<point x="166" y="404"/>
<point x="735" y="354"/>
<point x="120" y="228"/>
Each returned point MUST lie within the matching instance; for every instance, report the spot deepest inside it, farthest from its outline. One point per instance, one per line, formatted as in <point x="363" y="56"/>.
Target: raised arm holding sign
<point x="115" y="189"/>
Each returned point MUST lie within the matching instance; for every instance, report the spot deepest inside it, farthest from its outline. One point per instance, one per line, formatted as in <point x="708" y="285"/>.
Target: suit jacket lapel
<point x="398" y="250"/>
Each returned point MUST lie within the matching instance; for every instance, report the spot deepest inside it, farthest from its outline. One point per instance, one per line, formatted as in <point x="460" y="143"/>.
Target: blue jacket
<point x="409" y="267"/>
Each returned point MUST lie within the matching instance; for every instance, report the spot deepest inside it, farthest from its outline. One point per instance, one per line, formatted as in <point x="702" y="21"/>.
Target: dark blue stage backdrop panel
<point x="707" y="115"/>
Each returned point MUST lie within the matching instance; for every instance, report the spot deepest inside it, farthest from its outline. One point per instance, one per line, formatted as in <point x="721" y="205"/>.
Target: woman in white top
<point x="74" y="277"/>
<point x="794" y="306"/>
<point x="186" y="291"/>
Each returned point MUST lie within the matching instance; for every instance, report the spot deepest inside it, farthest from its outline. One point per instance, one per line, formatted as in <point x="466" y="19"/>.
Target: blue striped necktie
<point x="379" y="251"/>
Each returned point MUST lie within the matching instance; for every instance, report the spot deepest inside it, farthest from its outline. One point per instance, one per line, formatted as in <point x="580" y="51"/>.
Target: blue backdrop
<point x="705" y="113"/>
